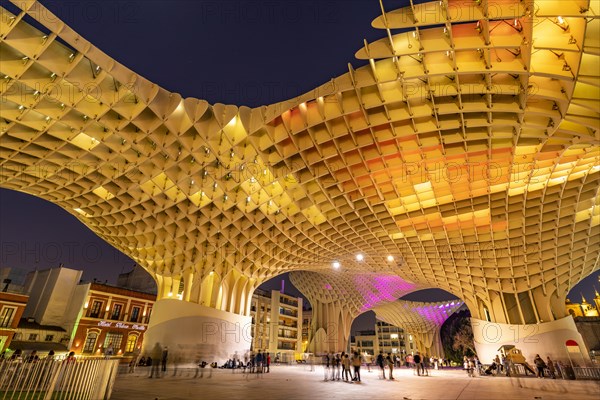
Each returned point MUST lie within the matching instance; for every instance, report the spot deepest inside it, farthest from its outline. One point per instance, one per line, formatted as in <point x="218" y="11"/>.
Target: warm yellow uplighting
<point x="103" y="193"/>
<point x="80" y="211"/>
<point x="85" y="141"/>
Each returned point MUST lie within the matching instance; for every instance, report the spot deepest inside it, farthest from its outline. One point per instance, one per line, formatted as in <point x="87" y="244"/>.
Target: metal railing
<point x="81" y="379"/>
<point x="587" y="373"/>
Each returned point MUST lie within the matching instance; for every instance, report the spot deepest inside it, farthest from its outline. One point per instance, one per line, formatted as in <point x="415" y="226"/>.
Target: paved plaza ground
<point x="299" y="382"/>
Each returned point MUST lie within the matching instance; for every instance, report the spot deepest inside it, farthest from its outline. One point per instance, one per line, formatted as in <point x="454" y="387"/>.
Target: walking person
<point x="498" y="364"/>
<point x="268" y="362"/>
<point x="540" y="365"/>
<point x="380" y="363"/>
<point x="390" y="362"/>
<point x="506" y="364"/>
<point x="326" y="361"/>
<point x="478" y="365"/>
<point x="259" y="362"/>
<point x="356" y="364"/>
<point x="156" y="354"/>
<point x="551" y="370"/>
<point x="163" y="359"/>
<point x="417" y="362"/>
<point x="346" y="368"/>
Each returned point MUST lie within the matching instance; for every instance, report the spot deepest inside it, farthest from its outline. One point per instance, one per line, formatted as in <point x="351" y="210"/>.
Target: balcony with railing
<point x="288" y="324"/>
<point x="288" y="313"/>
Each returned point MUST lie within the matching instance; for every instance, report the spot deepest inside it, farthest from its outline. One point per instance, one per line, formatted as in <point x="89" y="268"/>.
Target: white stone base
<point x="545" y="339"/>
<point x="196" y="333"/>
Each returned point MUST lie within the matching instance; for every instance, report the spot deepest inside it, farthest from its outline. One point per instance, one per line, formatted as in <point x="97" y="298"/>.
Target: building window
<point x="49" y="338"/>
<point x="7" y="316"/>
<point x="116" y="312"/>
<point x="131" y="342"/>
<point x="135" y="313"/>
<point x="96" y="309"/>
<point x="90" y="342"/>
<point x="113" y="338"/>
<point x="32" y="336"/>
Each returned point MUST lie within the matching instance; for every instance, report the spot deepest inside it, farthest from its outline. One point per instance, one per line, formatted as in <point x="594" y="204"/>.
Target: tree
<point x="457" y="336"/>
<point x="463" y="339"/>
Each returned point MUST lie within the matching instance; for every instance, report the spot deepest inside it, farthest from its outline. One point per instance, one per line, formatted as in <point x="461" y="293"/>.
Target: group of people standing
<point x="388" y="361"/>
<point x="258" y="362"/>
<point x="504" y="366"/>
<point x="336" y="367"/>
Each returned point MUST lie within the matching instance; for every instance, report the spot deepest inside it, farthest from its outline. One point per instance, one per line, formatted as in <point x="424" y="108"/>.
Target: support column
<point x="545" y="339"/>
<point x="209" y="322"/>
<point x="546" y="333"/>
<point x="330" y="327"/>
<point x="195" y="332"/>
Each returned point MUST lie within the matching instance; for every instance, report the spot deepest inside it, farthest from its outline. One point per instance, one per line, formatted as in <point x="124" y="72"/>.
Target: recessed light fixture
<point x="390" y="258"/>
<point x="359" y="257"/>
<point x="336" y="264"/>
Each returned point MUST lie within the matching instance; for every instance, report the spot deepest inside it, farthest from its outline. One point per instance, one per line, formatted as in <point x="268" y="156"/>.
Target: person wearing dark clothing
<point x="540" y="365"/>
<point x="268" y="362"/>
<point x="418" y="364"/>
<point x="390" y="362"/>
<point x="259" y="362"/>
<point x="380" y="363"/>
<point x="163" y="360"/>
<point x="156" y="355"/>
<point x="356" y="364"/>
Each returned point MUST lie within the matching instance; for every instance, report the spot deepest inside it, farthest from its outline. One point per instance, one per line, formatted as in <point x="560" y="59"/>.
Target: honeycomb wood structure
<point x="422" y="320"/>
<point x="463" y="156"/>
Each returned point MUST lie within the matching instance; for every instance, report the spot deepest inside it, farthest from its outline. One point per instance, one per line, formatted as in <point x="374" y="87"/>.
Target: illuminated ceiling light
<point x="336" y="264"/>
<point x="80" y="211"/>
<point x="390" y="258"/>
<point x="248" y="199"/>
<point x="517" y="25"/>
<point x="562" y="24"/>
<point x="414" y="34"/>
<point x="170" y="294"/>
<point x="232" y="122"/>
<point x="210" y="273"/>
<point x="478" y="27"/>
<point x="359" y="257"/>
